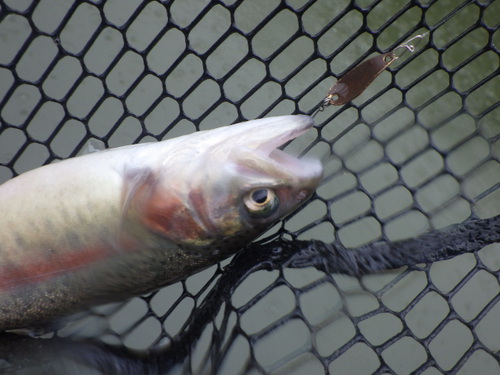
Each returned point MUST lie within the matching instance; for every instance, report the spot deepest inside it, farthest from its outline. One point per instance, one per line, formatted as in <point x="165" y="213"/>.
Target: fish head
<point x="232" y="183"/>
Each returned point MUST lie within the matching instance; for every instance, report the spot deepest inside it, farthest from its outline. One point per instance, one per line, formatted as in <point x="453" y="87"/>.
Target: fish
<point x="117" y="223"/>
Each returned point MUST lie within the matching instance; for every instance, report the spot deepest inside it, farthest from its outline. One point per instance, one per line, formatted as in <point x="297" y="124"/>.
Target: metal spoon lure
<point x="354" y="82"/>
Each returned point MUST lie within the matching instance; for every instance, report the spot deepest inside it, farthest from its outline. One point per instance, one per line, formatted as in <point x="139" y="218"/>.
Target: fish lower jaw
<point x="302" y="168"/>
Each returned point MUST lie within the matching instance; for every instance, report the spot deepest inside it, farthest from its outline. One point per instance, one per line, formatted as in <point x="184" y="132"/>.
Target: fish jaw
<point x="203" y="209"/>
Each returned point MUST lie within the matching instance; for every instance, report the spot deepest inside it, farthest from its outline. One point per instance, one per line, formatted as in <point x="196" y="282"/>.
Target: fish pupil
<point x="260" y="196"/>
<point x="261" y="203"/>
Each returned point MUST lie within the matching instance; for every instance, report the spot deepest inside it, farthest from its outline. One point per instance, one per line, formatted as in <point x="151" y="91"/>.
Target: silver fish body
<point x="121" y="222"/>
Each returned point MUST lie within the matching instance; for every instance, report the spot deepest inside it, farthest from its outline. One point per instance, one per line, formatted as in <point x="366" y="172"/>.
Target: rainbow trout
<point x="117" y="223"/>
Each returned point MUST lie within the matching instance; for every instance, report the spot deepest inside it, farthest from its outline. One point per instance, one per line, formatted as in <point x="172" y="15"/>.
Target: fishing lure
<point x="354" y="82"/>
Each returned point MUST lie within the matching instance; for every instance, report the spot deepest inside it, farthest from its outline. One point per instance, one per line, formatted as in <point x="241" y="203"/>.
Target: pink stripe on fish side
<point x="37" y="271"/>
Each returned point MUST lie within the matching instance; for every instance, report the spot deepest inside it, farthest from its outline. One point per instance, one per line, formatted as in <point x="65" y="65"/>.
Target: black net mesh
<point x="417" y="151"/>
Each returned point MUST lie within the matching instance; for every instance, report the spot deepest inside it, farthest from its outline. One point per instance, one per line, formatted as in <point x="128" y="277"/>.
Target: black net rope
<point x="392" y="267"/>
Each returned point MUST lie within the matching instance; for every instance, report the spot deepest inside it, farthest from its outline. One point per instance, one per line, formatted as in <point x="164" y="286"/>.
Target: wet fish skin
<point x="113" y="224"/>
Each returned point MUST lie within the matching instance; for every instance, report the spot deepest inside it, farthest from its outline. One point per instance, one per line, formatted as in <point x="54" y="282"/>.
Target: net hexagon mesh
<point x="417" y="151"/>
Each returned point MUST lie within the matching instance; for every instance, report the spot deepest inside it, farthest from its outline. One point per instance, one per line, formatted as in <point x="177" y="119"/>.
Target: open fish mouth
<point x="286" y="129"/>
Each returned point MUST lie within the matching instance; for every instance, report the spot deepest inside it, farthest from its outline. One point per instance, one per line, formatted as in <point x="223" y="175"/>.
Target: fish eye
<point x="261" y="202"/>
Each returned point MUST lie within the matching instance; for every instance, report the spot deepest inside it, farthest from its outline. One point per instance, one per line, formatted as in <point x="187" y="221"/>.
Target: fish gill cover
<point x="415" y="153"/>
